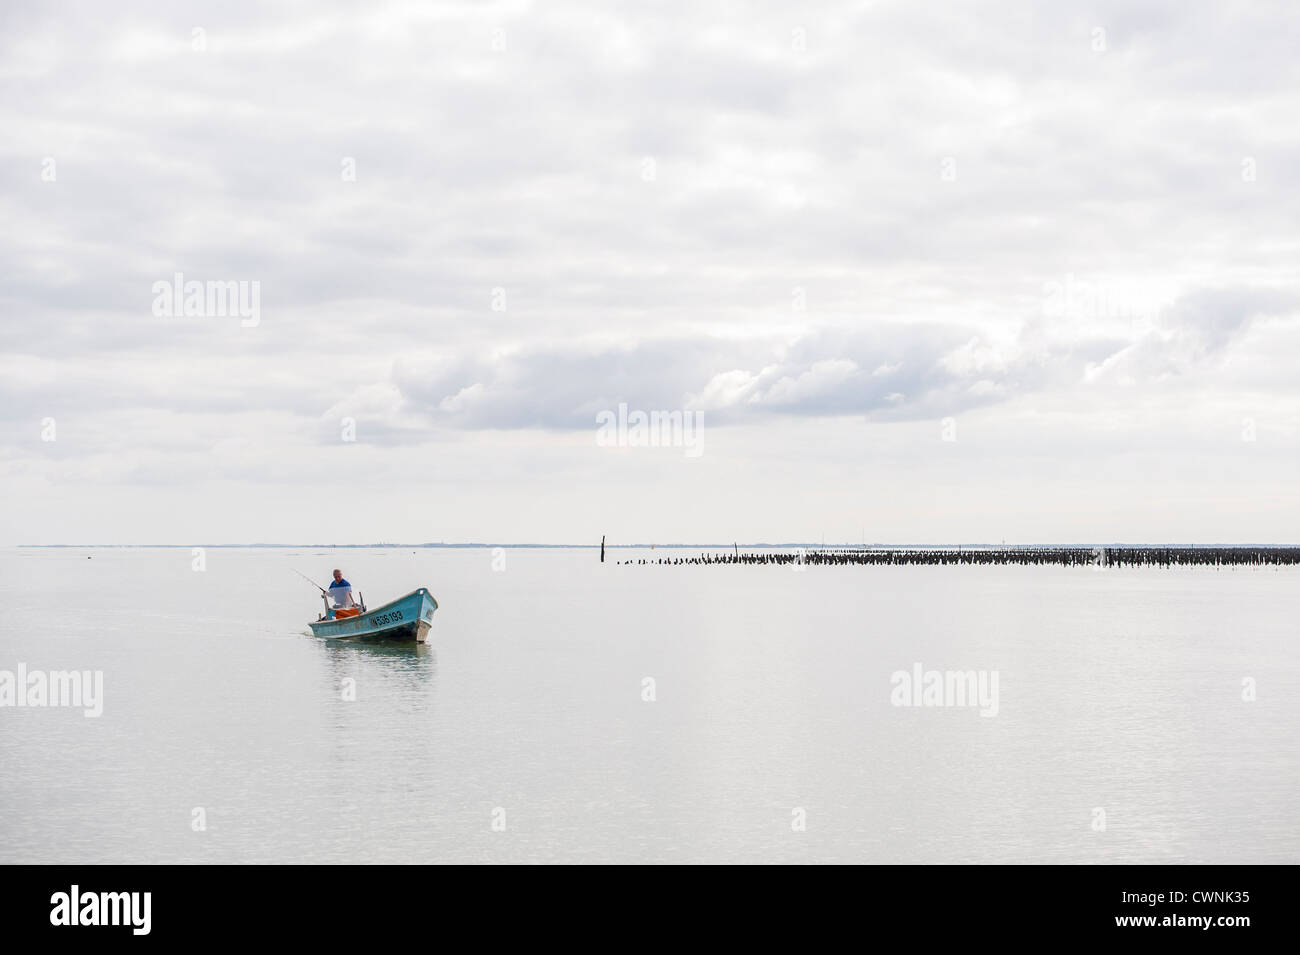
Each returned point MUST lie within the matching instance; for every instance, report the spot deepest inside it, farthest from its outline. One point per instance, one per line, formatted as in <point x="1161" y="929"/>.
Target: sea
<point x="569" y="711"/>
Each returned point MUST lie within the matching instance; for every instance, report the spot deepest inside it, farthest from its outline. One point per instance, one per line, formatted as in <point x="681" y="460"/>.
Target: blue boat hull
<point x="406" y="618"/>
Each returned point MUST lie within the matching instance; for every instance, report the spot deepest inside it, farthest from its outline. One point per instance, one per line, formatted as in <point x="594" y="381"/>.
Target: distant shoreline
<point x="657" y="546"/>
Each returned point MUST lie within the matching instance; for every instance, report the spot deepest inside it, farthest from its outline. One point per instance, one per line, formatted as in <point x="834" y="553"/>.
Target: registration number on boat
<point x="379" y="619"/>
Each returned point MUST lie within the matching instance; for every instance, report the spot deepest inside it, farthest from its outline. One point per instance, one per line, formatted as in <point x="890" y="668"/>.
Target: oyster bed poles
<point x="1127" y="555"/>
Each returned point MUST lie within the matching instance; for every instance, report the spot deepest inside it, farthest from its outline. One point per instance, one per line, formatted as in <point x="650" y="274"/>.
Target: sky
<point x="929" y="273"/>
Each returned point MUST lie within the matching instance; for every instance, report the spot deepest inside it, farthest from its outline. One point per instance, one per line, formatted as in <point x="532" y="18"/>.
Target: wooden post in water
<point x="602" y="548"/>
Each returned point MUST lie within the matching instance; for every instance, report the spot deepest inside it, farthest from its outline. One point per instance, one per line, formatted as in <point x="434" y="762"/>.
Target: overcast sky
<point x="826" y="229"/>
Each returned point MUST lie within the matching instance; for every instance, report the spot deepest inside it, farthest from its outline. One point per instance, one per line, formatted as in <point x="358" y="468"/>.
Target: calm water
<point x="1119" y="690"/>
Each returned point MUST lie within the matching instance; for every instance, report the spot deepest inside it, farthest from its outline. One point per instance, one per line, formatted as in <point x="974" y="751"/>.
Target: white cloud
<point x="1111" y="184"/>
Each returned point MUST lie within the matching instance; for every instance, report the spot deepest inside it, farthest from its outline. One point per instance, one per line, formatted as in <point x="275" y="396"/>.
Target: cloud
<point x="878" y="215"/>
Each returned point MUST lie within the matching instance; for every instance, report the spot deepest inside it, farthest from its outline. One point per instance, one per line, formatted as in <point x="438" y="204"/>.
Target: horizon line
<point x="650" y="545"/>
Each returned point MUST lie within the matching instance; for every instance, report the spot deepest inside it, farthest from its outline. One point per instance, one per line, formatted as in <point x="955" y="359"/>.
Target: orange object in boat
<point x="342" y="612"/>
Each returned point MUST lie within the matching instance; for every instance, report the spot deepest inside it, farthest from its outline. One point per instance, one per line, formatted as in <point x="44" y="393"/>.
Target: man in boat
<point x="341" y="591"/>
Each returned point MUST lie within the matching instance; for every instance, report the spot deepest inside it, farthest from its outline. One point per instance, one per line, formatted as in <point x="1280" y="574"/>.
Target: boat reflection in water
<point x="393" y="675"/>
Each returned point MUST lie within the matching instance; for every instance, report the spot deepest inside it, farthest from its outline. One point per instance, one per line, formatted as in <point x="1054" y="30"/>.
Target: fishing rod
<point x="310" y="581"/>
<point x="361" y="601"/>
<point x="324" y="593"/>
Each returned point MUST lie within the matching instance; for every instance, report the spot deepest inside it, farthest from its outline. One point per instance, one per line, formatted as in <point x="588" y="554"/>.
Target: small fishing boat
<point x="406" y="618"/>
